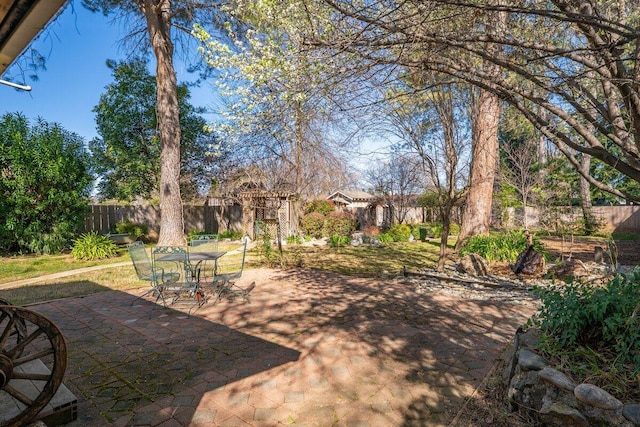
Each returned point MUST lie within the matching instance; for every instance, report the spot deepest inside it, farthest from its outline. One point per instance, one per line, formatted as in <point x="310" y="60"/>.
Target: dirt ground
<point x="627" y="252"/>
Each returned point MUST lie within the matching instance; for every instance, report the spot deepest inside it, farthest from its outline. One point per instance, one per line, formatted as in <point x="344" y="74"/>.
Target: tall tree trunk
<point x="590" y="223"/>
<point x="476" y="217"/>
<point x="445" y="217"/>
<point x="298" y="148"/>
<point x="158" y="17"/>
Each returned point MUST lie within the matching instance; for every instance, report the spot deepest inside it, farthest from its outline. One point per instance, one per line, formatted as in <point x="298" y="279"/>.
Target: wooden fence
<point x="613" y="218"/>
<point x="216" y="219"/>
<point x="213" y="219"/>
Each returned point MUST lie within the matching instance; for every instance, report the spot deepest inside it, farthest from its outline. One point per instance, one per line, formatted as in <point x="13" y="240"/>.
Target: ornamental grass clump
<point x="92" y="246"/>
<point x="594" y="330"/>
<point x="499" y="247"/>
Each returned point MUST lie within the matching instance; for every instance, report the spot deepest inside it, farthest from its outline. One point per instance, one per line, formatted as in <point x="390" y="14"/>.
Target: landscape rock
<point x="549" y="397"/>
<point x="525" y="390"/>
<point x="595" y="396"/>
<point x="530" y="361"/>
<point x="529" y="262"/>
<point x="473" y="264"/>
<point x="530" y="338"/>
<point x="561" y="415"/>
<point x="557" y="378"/>
<point x="632" y="413"/>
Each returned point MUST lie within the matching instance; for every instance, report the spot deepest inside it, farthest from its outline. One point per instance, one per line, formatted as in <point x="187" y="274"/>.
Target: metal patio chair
<point x="228" y="274"/>
<point x="145" y="270"/>
<point x="204" y="271"/>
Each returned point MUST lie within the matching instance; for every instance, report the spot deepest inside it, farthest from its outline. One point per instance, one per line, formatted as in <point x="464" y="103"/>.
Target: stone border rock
<point x="553" y="398"/>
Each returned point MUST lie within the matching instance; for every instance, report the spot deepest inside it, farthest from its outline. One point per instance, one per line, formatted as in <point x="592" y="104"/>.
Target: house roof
<point x="20" y="22"/>
<point x="351" y="195"/>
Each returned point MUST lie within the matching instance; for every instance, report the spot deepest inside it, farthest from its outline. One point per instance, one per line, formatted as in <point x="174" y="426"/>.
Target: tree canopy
<point x="569" y="67"/>
<point x="278" y="114"/>
<point x="126" y="156"/>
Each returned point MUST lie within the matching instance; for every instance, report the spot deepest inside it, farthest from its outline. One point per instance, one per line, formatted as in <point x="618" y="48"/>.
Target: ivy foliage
<point x="45" y="183"/>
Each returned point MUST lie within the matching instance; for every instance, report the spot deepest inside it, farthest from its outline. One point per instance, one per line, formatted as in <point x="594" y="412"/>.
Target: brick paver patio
<point x="312" y="349"/>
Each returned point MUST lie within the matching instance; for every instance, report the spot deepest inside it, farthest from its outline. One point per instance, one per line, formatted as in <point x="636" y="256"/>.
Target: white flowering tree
<point x="279" y="112"/>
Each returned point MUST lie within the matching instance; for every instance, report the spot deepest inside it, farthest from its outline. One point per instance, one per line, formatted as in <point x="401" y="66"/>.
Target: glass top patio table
<point x="193" y="256"/>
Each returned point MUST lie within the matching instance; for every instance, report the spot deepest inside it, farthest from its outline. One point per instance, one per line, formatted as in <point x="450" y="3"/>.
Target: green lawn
<point x="28" y="266"/>
<point x="365" y="261"/>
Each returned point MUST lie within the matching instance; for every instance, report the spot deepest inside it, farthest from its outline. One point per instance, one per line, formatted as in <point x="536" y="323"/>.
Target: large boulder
<point x="529" y="262"/>
<point x="473" y="264"/>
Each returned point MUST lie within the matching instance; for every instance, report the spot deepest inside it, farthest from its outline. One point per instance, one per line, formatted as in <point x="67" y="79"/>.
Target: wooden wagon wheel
<point x="20" y="328"/>
<point x="33" y="358"/>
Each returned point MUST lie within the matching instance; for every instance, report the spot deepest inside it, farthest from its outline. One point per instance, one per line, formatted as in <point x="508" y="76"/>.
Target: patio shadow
<point x="134" y="369"/>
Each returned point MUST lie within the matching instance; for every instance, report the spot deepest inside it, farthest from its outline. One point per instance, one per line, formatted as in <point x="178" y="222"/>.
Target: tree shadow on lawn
<point x="370" y="261"/>
<point x="145" y="364"/>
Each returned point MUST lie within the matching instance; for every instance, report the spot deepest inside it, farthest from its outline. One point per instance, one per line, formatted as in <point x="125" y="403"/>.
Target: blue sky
<point x="76" y="48"/>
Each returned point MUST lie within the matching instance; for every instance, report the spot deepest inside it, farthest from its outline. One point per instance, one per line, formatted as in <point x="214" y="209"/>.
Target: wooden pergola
<point x="276" y="211"/>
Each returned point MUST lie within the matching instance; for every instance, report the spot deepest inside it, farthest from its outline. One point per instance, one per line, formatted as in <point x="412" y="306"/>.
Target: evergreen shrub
<point x="339" y="223"/>
<point x="313" y="224"/>
<point x="399" y="232"/>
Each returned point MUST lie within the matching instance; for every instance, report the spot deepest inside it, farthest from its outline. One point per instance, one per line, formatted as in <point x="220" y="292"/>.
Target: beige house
<point x="350" y="199"/>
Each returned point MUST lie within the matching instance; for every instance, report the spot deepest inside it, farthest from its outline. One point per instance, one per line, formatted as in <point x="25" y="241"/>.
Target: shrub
<point x="313" y="224"/>
<point x="45" y="185"/>
<point x="399" y="232"/>
<point x="266" y="250"/>
<point x="193" y="234"/>
<point x="230" y="234"/>
<point x="132" y="229"/>
<point x="324" y="207"/>
<point x="435" y="229"/>
<point x="55" y="241"/>
<point x="340" y="223"/>
<point x="337" y="240"/>
<point x="384" y="238"/>
<point x="454" y="229"/>
<point x="92" y="246"/>
<point x="602" y="320"/>
<point x="371" y="231"/>
<point x="294" y="240"/>
<point x="499" y="247"/>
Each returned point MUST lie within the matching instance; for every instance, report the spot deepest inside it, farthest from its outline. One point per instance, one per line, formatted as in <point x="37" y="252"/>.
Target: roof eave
<point x="23" y="21"/>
